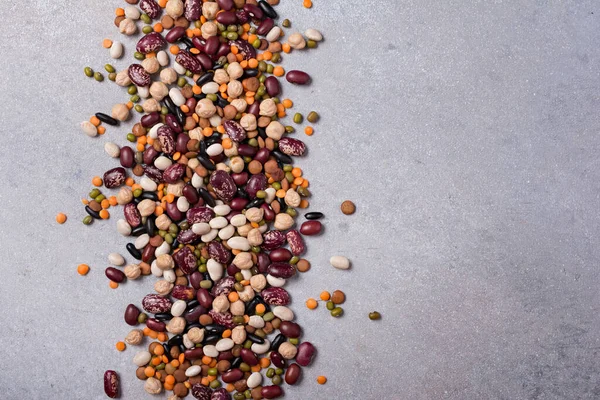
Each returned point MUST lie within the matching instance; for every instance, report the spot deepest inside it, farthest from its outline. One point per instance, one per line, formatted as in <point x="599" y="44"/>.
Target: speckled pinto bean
<point x="114" y="178"/>
<point x="138" y="75"/>
<point x="193" y="10"/>
<point x="150" y="7"/>
<point x="234" y="130"/>
<point x="295" y="241"/>
<point x="111" y="384"/>
<point x="188" y="61"/>
<point x="291" y="146"/>
<point x="185" y="260"/>
<point x="154" y="303"/>
<point x="150" y="42"/>
<point x="276" y="296"/>
<point x="223" y="185"/>
<point x="132" y="215"/>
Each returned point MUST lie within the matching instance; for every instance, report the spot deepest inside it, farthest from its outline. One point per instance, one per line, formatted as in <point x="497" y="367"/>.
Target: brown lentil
<point x="348" y="207"/>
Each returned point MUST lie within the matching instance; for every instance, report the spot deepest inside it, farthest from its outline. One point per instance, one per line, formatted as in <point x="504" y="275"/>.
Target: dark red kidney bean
<point x="254" y="108"/>
<point x="111" y="384"/>
<point x="193" y="10"/>
<point x="155" y="304"/>
<point x="255" y="183"/>
<point x="227" y="18"/>
<point x="191" y="104"/>
<point x="127" y="157"/>
<point x="246" y="150"/>
<point x="249" y="357"/>
<point x="232" y="375"/>
<point x="223" y="185"/>
<point x="293" y="373"/>
<point x="262" y="155"/>
<point x="150" y="42"/>
<point x="181" y="143"/>
<point x="273" y="240"/>
<point x="310" y="228"/>
<point x="269" y="214"/>
<point x="297" y="77"/>
<point x="225" y="355"/>
<point x="173" y="173"/>
<point x="291" y="146"/>
<point x="188" y="61"/>
<point x="240" y="179"/>
<point x="232" y="270"/>
<point x="131" y="315"/>
<point x="234" y="130"/>
<point x="148" y="253"/>
<point x="150" y="7"/>
<point x="138" y="75"/>
<point x="187" y="237"/>
<point x="175" y="34"/>
<point x="172" y="121"/>
<point x="290" y="329"/>
<point x="174" y="212"/>
<point x="132" y="215"/>
<point x="272" y="85"/>
<point x="225" y="4"/>
<point x="223" y="51"/>
<point x="199" y="43"/>
<point x="263" y="262"/>
<point x="190" y="194"/>
<point x="273" y="391"/>
<point x="265" y="26"/>
<point x="295" y="241"/>
<point x="194" y="354"/>
<point x="156" y="325"/>
<point x="150" y="154"/>
<point x="195" y="279"/>
<point x="212" y="45"/>
<point x="204" y="60"/>
<point x="254" y="11"/>
<point x="193" y="314"/>
<point x="245" y="48"/>
<point x="204" y="298"/>
<point x="282" y="270"/>
<point x="280" y="254"/>
<point x="114" y="274"/>
<point x="306" y="352"/>
<point x="277" y="359"/>
<point x="114" y="177"/>
<point x="149" y="120"/>
<point x="199" y="214"/>
<point x="276" y="296"/>
<point x="238" y="203"/>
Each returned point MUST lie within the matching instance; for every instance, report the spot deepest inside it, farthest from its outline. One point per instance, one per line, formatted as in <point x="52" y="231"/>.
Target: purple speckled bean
<point x="181" y="292"/>
<point x="291" y="146"/>
<point x="114" y="274"/>
<point x="154" y="303"/>
<point x="295" y="241"/>
<point x="132" y="215"/>
<point x="242" y="16"/>
<point x="201" y="392"/>
<point x="199" y="214"/>
<point x="153" y="173"/>
<point x="114" y="177"/>
<point x="150" y="42"/>
<point x="234" y="130"/>
<point x="220" y="394"/>
<point x="282" y="270"/>
<point x="193" y="10"/>
<point x="218" y="252"/>
<point x="273" y="240"/>
<point x="138" y="75"/>
<point x="111" y="384"/>
<point x="223" y="286"/>
<point x="188" y="237"/>
<point x="246" y="50"/>
<point x="186" y="260"/>
<point x="166" y="137"/>
<point x="276" y="296"/>
<point x="223" y="185"/>
<point x="306" y="352"/>
<point x="173" y="173"/>
<point x="224" y="319"/>
<point x="151" y="8"/>
<point x="188" y="61"/>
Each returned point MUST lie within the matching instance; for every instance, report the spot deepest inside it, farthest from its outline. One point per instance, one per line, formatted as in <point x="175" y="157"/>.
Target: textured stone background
<point x="465" y="131"/>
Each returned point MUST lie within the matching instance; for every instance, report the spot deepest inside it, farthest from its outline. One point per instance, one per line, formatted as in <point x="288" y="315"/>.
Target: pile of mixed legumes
<point x="210" y="194"/>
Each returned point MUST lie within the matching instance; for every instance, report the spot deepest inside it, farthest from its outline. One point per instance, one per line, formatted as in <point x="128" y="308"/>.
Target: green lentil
<point x="260" y="333"/>
<point x="290" y="129"/>
<point x="95" y="193"/>
<point x="232" y="35"/>
<point x="330" y="306"/>
<point x="256" y="44"/>
<point x="291" y="212"/>
<point x="181" y="81"/>
<point x="270" y="68"/>
<point x="304" y="192"/>
<point x="132" y="89"/>
<point x="256" y="249"/>
<point x="139" y="108"/>
<point x="98" y="76"/>
<point x="261" y="194"/>
<point x="138" y="56"/>
<point x="109" y="68"/>
<point x="276" y="185"/>
<point x="262" y="66"/>
<point x="112" y="76"/>
<point x="137" y="192"/>
<point x="135" y="98"/>
<point x="269" y="316"/>
<point x="142" y="318"/>
<point x="131" y="137"/>
<point x="147" y="29"/>
<point x="202" y="268"/>
<point x="261" y="91"/>
<point x="312" y="117"/>
<point x="276" y="57"/>
<point x="286" y="23"/>
<point x="289" y="177"/>
<point x="87" y="220"/>
<point x="248" y="394"/>
<point x="262" y="79"/>
<point x="311" y="44"/>
<point x="253" y="142"/>
<point x="298" y="118"/>
<point x="238" y="287"/>
<point x="276" y="380"/>
<point x="294" y="341"/>
<point x="164" y="110"/>
<point x="189" y="74"/>
<point x="238" y="320"/>
<point x="288" y="168"/>
<point x="145" y="18"/>
<point x="336" y="312"/>
<point x="239" y="396"/>
<point x="215" y="384"/>
<point x="212" y="97"/>
<point x="374" y="316"/>
<point x="160" y="366"/>
<point x="270" y="372"/>
<point x="239" y="277"/>
<point x="212" y="372"/>
<point x="168" y="238"/>
<point x="294" y="260"/>
<point x="100" y="197"/>
<point x="206" y="284"/>
<point x="88" y="72"/>
<point x="245" y="367"/>
<point x="279" y="371"/>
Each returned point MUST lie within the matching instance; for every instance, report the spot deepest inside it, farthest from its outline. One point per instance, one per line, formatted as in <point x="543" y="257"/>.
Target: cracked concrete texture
<point x="465" y="131"/>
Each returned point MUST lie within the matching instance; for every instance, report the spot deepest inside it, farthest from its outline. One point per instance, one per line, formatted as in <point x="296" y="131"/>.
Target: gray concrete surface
<point x="467" y="133"/>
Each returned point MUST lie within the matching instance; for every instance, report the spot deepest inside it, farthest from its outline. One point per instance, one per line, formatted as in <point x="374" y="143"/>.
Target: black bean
<point x="200" y="96"/>
<point x="282" y="204"/>
<point x="192" y="304"/>
<point x="180" y="116"/>
<point x="221" y="102"/>
<point x="170" y="105"/>
<point x="313" y="215"/>
<point x="214" y="328"/>
<point x="242" y="193"/>
<point x="175" y="340"/>
<point x="255" y="339"/>
<point x="208" y="199"/>
<point x="284" y="158"/>
<point x="175" y="244"/>
<point x="204" y="79"/>
<point x="190" y="326"/>
<point x="279" y="339"/>
<point x="236" y="362"/>
<point x="187" y="41"/>
<point x="135" y="253"/>
<point x="255" y="203"/>
<point x="262" y="132"/>
<point x="251" y="72"/>
<point x="138" y="230"/>
<point x="212" y="338"/>
<point x="107" y="119"/>
<point x="150" y="225"/>
<point x="92" y="213"/>
<point x="267" y="9"/>
<point x="163" y="316"/>
<point x="206" y="163"/>
<point x="149" y="196"/>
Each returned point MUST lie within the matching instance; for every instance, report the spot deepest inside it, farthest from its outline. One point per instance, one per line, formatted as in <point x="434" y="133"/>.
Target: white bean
<point x="273" y="34"/>
<point x="256" y="321"/>
<point x="163" y="58"/>
<point x="214" y="149"/>
<point x="182" y="204"/>
<point x="261" y="348"/>
<point x="89" y="128"/>
<point x="193" y="370"/>
<point x="238" y="220"/>
<point x="178" y="308"/>
<point x="155" y="270"/>
<point x="276" y="282"/>
<point x="239" y="243"/>
<point x="247" y="274"/>
<point x="143" y="91"/>
<point x="218" y="222"/>
<point x="210" y="350"/>
<point x="179" y="68"/>
<point x="154" y="131"/>
<point x="112" y="149"/>
<point x="116" y="259"/>
<point x="164" y="248"/>
<point x="142" y="358"/>
<point x="283" y="313"/>
<point x="210" y="236"/>
<point x="169" y="276"/>
<point x="313" y="34"/>
<point x="148" y="184"/>
<point x="141" y="241"/>
<point x="132" y="12"/>
<point x="224" y="344"/>
<point x="197" y="181"/>
<point x="254" y="380"/>
<point x="214" y="269"/>
<point x="221" y="209"/>
<point x="210" y="88"/>
<point x="339" y="262"/>
<point x="201" y="228"/>
<point x="270" y="195"/>
<point x="177" y="97"/>
<point x="123" y="227"/>
<point x="116" y="50"/>
<point x="227" y="232"/>
<point x="162" y="163"/>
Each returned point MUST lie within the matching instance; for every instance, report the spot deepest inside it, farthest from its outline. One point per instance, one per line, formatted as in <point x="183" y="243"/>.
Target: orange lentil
<point x="321" y="380"/>
<point x="97" y="181"/>
<point x="278" y="71"/>
<point x="174" y="49"/>
<point x="158" y="375"/>
<point x="309" y="130"/>
<point x="101" y="130"/>
<point x="61" y="218"/>
<point x="303" y="204"/>
<point x="151" y="55"/>
<point x="325" y="296"/>
<point x="185" y="108"/>
<point x="286" y="48"/>
<point x="83" y="269"/>
<point x="256" y="368"/>
<point x="221" y="129"/>
<point x="246" y="317"/>
<point x="196" y="89"/>
<point x="149" y="372"/>
<point x="159" y="351"/>
<point x="162" y="337"/>
<point x="298" y="181"/>
<point x="311" y="303"/>
<point x="260" y="308"/>
<point x="170" y="379"/>
<point x="106" y="43"/>
<point x="181" y="358"/>
<point x="150" y="141"/>
<point x="175" y="363"/>
<point x="120" y="346"/>
<point x="129" y="181"/>
<point x="129" y="104"/>
<point x="287" y="103"/>
<point x="204" y="381"/>
<point x="162" y="3"/>
<point x="140" y="147"/>
<point x="105" y="203"/>
<point x="252" y="38"/>
<point x="265" y="362"/>
<point x="119" y="12"/>
<point x="176" y="156"/>
<point x="307" y="4"/>
<point x="305" y="183"/>
<point x="243" y="63"/>
<point x="226" y="333"/>
<point x="296" y="172"/>
<point x="206" y="360"/>
<point x="194" y="50"/>
<point x="239" y="57"/>
<point x="156" y="360"/>
<point x="233" y="297"/>
<point x="267" y="55"/>
<point x="234" y="49"/>
<point x="227" y="144"/>
<point x="168" y="386"/>
<point x="170" y="198"/>
<point x="280" y="193"/>
<point x="230" y="388"/>
<point x="254" y="224"/>
<point x="153" y="334"/>
<point x="85" y="201"/>
<point x="246" y="27"/>
<point x="213" y="363"/>
<point x="94" y="120"/>
<point x="159" y="211"/>
<point x="113" y="285"/>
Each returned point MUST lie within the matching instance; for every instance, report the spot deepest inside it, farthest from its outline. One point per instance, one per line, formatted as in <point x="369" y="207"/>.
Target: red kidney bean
<point x="114" y="177"/>
<point x="240" y="179"/>
<point x="238" y="203"/>
<point x="187" y="237"/>
<point x="188" y="61"/>
<point x="290" y="329"/>
<point x="226" y="18"/>
<point x="111" y="384"/>
<point x="249" y="357"/>
<point x="148" y="253"/>
<point x="173" y="212"/>
<point x="156" y="304"/>
<point x="297" y="77"/>
<point x="194" y="354"/>
<point x="277" y="359"/>
<point x="265" y="26"/>
<point x="150" y="42"/>
<point x="254" y="108"/>
<point x="225" y="4"/>
<point x="232" y="375"/>
<point x="223" y="185"/>
<point x="234" y="130"/>
<point x="156" y="325"/>
<point x="132" y="215"/>
<point x="218" y="252"/>
<point x="204" y="298"/>
<point x="127" y="157"/>
<point x="255" y="183"/>
<point x="282" y="270"/>
<point x="293" y="373"/>
<point x="273" y="391"/>
<point x="193" y="10"/>
<point x="291" y="146"/>
<point x="204" y="60"/>
<point x="269" y="214"/>
<point x="273" y="240"/>
<point x="150" y="154"/>
<point x="181" y="143"/>
<point x="190" y="194"/>
<point x="173" y="173"/>
<point x="280" y="254"/>
<point x="245" y="150"/>
<point x="310" y="228"/>
<point x="212" y="45"/>
<point x="254" y="11"/>
<point x="195" y="279"/>
<point x="138" y="75"/>
<point x="150" y="7"/>
<point x="181" y="292"/>
<point x="295" y="241"/>
<point x="263" y="262"/>
<point x="175" y="34"/>
<point x="191" y="104"/>
<point x="149" y="120"/>
<point x="193" y="314"/>
<point x="223" y="51"/>
<point x="272" y="85"/>
<point x="172" y="121"/>
<point x="306" y="352"/>
<point x="276" y="296"/>
<point x="131" y="315"/>
<point x="262" y="155"/>
<point x="114" y="274"/>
